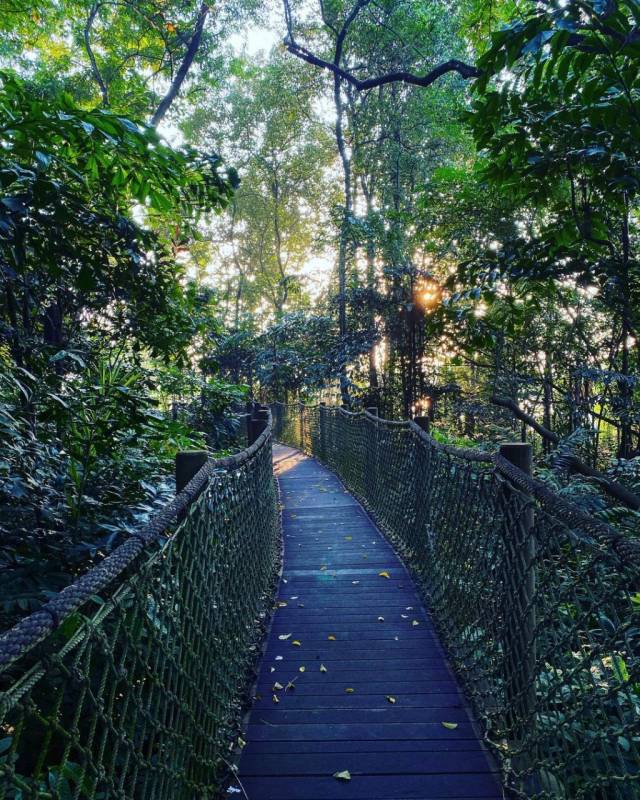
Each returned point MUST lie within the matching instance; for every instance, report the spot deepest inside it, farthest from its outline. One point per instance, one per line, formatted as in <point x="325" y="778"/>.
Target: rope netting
<point x="537" y="603"/>
<point x="130" y="682"/>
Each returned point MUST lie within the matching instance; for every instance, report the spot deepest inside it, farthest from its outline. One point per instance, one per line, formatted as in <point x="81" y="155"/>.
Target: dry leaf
<point x="296" y="643"/>
<point x="349" y="690"/>
<point x="323" y="668"/>
<point x="344" y="775"/>
<point x="380" y="619"/>
<point x="284" y="636"/>
<point x="391" y="699"/>
<point x="331" y="637"/>
<point x="450" y="725"/>
<point x="277" y="686"/>
<point x="384" y="574"/>
<point x="415" y="622"/>
<point x="281" y="604"/>
<point x="301" y="669"/>
<point x="275" y="698"/>
<point x="355" y="583"/>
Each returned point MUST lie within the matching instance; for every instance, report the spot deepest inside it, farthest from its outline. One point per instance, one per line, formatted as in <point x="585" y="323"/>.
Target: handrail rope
<point x="31" y="630"/>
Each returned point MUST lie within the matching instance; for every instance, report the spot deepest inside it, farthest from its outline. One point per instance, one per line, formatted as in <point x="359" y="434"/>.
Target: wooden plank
<point x="394" y="751"/>
<point x="364" y="746"/>
<point x="336" y="698"/>
<point x="407" y="731"/>
<point x="384" y="763"/>
<point x="384" y="715"/>
<point x="377" y="787"/>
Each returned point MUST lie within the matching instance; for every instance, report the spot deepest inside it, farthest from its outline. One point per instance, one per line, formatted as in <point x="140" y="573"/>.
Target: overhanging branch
<point x="466" y="71"/>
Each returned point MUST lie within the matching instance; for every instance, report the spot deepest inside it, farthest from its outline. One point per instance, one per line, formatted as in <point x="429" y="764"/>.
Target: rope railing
<point x="537" y="603"/>
<point x="129" y="683"/>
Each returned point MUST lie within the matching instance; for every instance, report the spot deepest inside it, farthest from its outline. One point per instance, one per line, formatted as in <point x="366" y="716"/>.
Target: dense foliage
<point x="437" y="216"/>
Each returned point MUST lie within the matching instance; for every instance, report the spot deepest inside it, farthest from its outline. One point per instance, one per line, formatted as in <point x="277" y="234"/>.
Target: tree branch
<point x="402" y="76"/>
<point x="181" y="74"/>
<point x="92" y="59"/>
<point x="453" y="65"/>
<point x="570" y="462"/>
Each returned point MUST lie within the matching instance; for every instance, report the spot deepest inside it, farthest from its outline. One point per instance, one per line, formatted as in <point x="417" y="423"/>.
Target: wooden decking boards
<point x="378" y="709"/>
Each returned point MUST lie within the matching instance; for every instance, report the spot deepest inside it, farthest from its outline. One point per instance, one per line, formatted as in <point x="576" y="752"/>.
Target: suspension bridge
<point x="440" y="625"/>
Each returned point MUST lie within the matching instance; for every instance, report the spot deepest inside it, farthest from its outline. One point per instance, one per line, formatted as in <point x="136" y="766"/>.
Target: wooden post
<point x="323" y="421"/>
<point x="370" y="461"/>
<point x="257" y="424"/>
<point x="188" y="462"/>
<point x="520" y="588"/>
<point x="423" y="422"/>
<point x="301" y="423"/>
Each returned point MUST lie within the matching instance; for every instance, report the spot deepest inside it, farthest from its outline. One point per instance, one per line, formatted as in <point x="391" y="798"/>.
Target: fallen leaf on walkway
<point x="284" y="636"/>
<point x="275" y="698"/>
<point x="415" y="622"/>
<point x="323" y="567"/>
<point x="391" y="699"/>
<point x="348" y="538"/>
<point x="277" y="686"/>
<point x="301" y="669"/>
<point x="380" y="619"/>
<point x="349" y="690"/>
<point x="450" y="725"/>
<point x="331" y="637"/>
<point x="323" y="668"/>
<point x="355" y="583"/>
<point x="344" y="775"/>
<point x="279" y="658"/>
<point x="290" y="686"/>
<point x="384" y="574"/>
<point x="281" y="604"/>
<point x="296" y="643"/>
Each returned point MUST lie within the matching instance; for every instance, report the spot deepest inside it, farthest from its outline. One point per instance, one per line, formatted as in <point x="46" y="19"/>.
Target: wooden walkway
<point x="353" y="679"/>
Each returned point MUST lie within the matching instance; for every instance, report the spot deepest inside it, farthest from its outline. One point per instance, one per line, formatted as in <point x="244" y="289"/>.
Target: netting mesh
<point x="135" y="691"/>
<point x="538" y="604"/>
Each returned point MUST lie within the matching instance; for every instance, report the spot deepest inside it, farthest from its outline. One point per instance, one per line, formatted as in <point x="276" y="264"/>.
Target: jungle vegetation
<point x="424" y="206"/>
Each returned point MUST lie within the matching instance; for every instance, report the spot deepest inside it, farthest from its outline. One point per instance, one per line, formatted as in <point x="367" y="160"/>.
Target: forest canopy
<point x="426" y="207"/>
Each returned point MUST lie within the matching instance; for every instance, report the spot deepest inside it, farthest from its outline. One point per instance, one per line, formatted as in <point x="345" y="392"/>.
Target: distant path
<point x="385" y="647"/>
